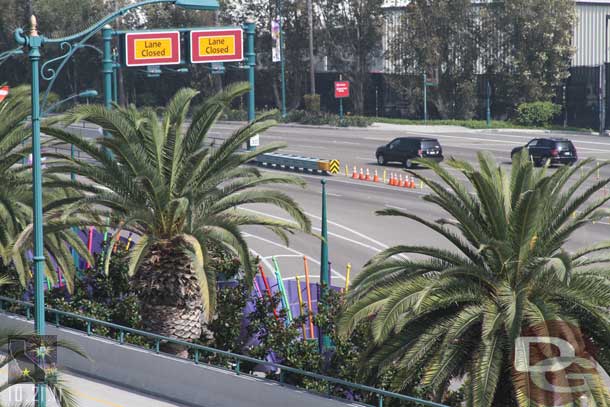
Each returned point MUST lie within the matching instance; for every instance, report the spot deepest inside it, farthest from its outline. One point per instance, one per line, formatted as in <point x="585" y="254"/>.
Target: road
<point x="355" y="232"/>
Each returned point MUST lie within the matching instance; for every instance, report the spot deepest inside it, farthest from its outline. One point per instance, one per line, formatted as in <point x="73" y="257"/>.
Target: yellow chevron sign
<point x="334" y="166"/>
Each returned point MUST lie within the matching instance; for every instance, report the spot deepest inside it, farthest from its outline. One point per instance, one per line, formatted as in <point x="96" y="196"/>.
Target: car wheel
<point x="409" y="164"/>
<point x="381" y="159"/>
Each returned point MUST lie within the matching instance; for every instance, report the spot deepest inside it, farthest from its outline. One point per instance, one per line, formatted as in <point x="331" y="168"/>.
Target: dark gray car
<point x="406" y="149"/>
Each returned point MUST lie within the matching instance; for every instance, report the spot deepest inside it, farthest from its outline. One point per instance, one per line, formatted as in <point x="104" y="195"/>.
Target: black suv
<point x="405" y="149"/>
<point x="541" y="150"/>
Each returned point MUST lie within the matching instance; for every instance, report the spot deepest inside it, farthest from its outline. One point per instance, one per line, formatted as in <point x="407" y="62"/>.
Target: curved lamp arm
<point x="50" y="74"/>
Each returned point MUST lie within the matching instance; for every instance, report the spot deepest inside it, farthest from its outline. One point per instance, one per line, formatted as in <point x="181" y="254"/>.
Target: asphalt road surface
<point x="356" y="233"/>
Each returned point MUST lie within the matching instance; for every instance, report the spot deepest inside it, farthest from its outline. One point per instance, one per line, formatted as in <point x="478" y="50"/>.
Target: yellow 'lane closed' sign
<point x="218" y="45"/>
<point x="152" y="48"/>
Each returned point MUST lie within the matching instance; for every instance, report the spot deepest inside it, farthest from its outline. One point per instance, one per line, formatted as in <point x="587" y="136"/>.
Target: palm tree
<point x="440" y="315"/>
<point x="179" y="194"/>
<point x="24" y="375"/>
<point x="16" y="200"/>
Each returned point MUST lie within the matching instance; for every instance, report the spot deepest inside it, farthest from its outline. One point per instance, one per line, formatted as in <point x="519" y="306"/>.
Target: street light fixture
<point x="210" y="5"/>
<point x="89" y="93"/>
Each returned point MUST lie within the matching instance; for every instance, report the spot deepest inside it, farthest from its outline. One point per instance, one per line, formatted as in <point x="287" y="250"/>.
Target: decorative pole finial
<point x="33" y="26"/>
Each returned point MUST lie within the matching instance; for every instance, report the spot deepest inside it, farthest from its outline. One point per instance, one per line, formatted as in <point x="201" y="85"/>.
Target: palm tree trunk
<point x="169" y="293"/>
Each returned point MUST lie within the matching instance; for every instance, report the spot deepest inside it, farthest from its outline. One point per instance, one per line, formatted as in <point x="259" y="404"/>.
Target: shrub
<point x="321" y="118"/>
<point x="537" y="113"/>
<point x="312" y="102"/>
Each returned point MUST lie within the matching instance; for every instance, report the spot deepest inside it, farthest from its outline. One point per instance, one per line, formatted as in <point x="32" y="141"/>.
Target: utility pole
<point x="282" y="63"/>
<point x="488" y="105"/>
<point x="312" y="67"/>
<point x="425" y="99"/>
<point x="602" y="101"/>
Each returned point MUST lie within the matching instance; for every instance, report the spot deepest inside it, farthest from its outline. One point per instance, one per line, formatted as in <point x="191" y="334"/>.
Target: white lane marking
<point x="355" y="232"/>
<point x="317" y="229"/>
<point x="291" y="250"/>
<point x="282" y="255"/>
<point x="265" y="261"/>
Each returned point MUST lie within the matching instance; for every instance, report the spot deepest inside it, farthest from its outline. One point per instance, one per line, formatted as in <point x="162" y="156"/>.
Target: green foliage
<point x="16" y="236"/>
<point x="224" y="331"/>
<point x="163" y="185"/>
<point x="321" y="118"/>
<point x="312" y="102"/>
<point x="537" y="113"/>
<point x="234" y="115"/>
<point x="442" y="314"/>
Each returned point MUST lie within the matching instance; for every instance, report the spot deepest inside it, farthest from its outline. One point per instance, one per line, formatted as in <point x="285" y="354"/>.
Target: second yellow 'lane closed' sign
<point x="216" y="45"/>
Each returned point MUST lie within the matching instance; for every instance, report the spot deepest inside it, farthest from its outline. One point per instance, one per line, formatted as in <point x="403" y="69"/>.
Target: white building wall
<point x="590" y="38"/>
<point x="590" y="34"/>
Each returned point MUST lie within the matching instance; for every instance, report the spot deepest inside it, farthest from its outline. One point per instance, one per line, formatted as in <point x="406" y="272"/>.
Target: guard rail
<point x="196" y="350"/>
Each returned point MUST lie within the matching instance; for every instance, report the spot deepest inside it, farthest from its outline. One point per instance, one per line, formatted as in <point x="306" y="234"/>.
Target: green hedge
<point x="321" y="118"/>
<point x="537" y="113"/>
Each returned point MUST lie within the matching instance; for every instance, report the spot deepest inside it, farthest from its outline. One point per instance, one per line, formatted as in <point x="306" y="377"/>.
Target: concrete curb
<point x="540" y="131"/>
<point x="296" y="125"/>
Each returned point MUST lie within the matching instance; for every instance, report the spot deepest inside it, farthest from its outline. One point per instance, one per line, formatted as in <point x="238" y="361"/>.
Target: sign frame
<point x="132" y="36"/>
<point x="196" y="34"/>
<point x="339" y="93"/>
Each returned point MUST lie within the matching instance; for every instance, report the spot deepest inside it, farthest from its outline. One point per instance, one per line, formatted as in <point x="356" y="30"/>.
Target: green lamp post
<point x="33" y="42"/>
<point x="324" y="338"/>
<point x="250" y="28"/>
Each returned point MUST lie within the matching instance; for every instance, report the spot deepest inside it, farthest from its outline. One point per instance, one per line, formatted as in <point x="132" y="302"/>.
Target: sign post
<point x="426" y="84"/>
<point x="341" y="92"/>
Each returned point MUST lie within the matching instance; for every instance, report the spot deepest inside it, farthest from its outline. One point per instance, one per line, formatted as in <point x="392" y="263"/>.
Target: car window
<point x="394" y="143"/>
<point x="427" y="144"/>
<point x="548" y="143"/>
<point x="405" y="144"/>
<point x="564" y="145"/>
<point x="533" y="143"/>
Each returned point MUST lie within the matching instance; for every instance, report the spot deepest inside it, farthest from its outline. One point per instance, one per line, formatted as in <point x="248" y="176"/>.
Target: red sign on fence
<point x="4" y="92"/>
<point x="152" y="48"/>
<point x="341" y="89"/>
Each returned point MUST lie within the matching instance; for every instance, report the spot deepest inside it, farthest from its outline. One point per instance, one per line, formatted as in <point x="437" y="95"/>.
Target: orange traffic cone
<point x="401" y="182"/>
<point x="376" y="177"/>
<point x="391" y="180"/>
<point x="355" y="173"/>
<point x="413" y="185"/>
<point x="362" y="177"/>
<point x="368" y="175"/>
<point x="407" y="183"/>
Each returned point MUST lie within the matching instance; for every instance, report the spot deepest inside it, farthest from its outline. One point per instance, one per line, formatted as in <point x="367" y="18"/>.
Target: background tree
<point x="448" y="314"/>
<point x="437" y="37"/>
<point x="351" y="33"/>
<point x="528" y="47"/>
